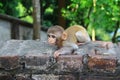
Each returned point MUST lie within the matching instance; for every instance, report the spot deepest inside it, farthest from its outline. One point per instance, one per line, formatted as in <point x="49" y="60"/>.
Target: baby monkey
<point x="67" y="40"/>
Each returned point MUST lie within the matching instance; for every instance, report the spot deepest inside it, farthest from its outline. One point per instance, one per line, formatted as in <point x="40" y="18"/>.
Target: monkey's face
<point x="52" y="39"/>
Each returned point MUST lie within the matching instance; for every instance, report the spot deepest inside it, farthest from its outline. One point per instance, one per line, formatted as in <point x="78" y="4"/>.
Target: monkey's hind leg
<point x="82" y="37"/>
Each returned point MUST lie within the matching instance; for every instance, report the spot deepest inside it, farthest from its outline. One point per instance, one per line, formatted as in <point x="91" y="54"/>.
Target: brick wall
<point x="33" y="60"/>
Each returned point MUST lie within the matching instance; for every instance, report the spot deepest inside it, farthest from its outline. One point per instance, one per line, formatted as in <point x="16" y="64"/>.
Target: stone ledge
<point x="19" y="57"/>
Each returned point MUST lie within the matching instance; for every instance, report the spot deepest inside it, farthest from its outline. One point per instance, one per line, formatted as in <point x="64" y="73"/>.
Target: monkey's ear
<point x="64" y="36"/>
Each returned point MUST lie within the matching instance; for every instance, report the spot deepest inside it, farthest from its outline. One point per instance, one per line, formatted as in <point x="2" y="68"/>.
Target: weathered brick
<point x="68" y="77"/>
<point x="36" y="58"/>
<point x="104" y="63"/>
<point x="9" y="62"/>
<point x="70" y="63"/>
<point x="99" y="78"/>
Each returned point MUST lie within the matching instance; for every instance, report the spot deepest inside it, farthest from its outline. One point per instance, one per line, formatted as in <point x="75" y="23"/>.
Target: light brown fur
<point x="67" y="40"/>
<point x="71" y="33"/>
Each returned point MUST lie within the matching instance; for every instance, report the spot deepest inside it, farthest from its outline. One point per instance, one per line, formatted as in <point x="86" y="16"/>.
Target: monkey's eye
<point x="52" y="36"/>
<point x="48" y="35"/>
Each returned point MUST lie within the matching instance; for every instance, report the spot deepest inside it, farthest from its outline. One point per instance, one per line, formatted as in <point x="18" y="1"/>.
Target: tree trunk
<point x="115" y="32"/>
<point x="61" y="20"/>
<point x="36" y="19"/>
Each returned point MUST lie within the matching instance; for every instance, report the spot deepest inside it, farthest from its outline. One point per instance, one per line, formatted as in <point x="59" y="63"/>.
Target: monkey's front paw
<point x="56" y="54"/>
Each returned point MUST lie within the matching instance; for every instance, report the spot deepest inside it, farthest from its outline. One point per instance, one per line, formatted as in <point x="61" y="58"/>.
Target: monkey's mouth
<point x="51" y="43"/>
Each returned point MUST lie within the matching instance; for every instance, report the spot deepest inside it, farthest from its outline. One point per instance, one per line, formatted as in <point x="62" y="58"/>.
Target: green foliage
<point x="17" y="8"/>
<point x="49" y="12"/>
<point x="8" y="7"/>
<point x="101" y="15"/>
<point x="28" y="19"/>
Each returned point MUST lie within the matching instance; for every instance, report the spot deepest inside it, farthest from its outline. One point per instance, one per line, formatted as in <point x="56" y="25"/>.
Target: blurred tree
<point x="61" y="19"/>
<point x="18" y="8"/>
<point x="36" y="19"/>
<point x="49" y="12"/>
<point x="9" y="7"/>
<point x="99" y="15"/>
<point x="26" y="10"/>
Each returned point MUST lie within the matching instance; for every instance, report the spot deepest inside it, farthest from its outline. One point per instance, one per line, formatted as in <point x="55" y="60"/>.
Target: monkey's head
<point x="56" y="35"/>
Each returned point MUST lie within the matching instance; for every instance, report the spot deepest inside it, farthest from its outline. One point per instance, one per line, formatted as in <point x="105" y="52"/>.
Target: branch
<point x="115" y="32"/>
<point x="88" y="16"/>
